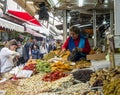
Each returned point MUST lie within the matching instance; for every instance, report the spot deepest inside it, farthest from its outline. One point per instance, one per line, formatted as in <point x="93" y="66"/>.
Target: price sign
<point x="24" y="73"/>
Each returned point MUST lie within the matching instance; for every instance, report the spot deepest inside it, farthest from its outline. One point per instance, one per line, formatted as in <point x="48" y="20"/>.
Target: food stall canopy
<point x="41" y="29"/>
<point x="59" y="37"/>
<point x="10" y="25"/>
<point x="24" y="16"/>
<point x="34" y="33"/>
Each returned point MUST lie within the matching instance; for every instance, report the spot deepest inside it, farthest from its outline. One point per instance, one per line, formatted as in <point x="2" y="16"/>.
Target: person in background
<point x="58" y="44"/>
<point x="77" y="41"/>
<point x="36" y="42"/>
<point x="43" y="49"/>
<point x="52" y="46"/>
<point x="35" y="52"/>
<point x="27" y="50"/>
<point x="20" y="50"/>
<point x="7" y="56"/>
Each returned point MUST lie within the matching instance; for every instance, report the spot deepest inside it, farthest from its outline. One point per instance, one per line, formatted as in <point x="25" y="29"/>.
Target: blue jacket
<point x="71" y="44"/>
<point x="35" y="54"/>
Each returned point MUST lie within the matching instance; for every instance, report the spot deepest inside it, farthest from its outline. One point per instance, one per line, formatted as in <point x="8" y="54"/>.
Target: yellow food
<point x="60" y="66"/>
<point x="50" y="55"/>
<point x="82" y="64"/>
<point x="31" y="61"/>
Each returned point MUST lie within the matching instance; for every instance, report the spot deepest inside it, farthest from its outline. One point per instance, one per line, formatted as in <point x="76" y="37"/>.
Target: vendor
<point x="7" y="55"/>
<point x="78" y="41"/>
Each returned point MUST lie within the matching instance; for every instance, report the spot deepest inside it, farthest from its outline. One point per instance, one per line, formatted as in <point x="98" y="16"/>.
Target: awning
<point x="24" y="16"/>
<point x="41" y="29"/>
<point x="34" y="33"/>
<point x="59" y="37"/>
<point x="10" y="25"/>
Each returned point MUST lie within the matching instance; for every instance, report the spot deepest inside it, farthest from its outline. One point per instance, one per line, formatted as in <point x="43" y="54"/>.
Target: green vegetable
<point x="43" y="66"/>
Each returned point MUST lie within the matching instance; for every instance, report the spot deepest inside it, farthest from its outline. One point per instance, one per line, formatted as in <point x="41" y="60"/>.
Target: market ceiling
<point x="84" y="6"/>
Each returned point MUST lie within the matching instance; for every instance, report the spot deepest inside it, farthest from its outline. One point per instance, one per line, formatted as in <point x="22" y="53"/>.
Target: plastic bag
<point x="76" y="55"/>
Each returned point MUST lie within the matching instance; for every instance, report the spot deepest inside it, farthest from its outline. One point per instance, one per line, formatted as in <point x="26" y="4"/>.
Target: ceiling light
<point x="55" y="2"/>
<point x="80" y="2"/>
<point x="69" y="18"/>
<point x="106" y="1"/>
<point x="30" y="2"/>
<point x="104" y="21"/>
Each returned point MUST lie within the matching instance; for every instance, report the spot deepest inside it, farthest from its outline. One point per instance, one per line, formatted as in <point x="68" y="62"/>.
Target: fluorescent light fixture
<point x="69" y="18"/>
<point x="80" y="2"/>
<point x="55" y="2"/>
<point x="30" y="2"/>
<point x="106" y="1"/>
<point x="104" y="21"/>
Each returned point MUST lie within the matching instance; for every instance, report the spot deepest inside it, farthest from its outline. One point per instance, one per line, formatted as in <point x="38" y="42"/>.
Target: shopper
<point x="76" y="41"/>
<point x="35" y="52"/>
<point x="43" y="49"/>
<point x="58" y="44"/>
<point x="20" y="50"/>
<point x="27" y="50"/>
<point x="7" y="56"/>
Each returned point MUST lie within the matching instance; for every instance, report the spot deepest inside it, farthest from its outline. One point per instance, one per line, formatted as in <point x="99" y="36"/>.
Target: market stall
<point x="56" y="75"/>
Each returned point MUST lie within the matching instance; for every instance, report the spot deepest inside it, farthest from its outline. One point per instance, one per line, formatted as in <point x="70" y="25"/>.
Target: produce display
<point x="30" y="67"/>
<point x="53" y="76"/>
<point x="60" y="66"/>
<point x="57" y="76"/>
<point x="50" y="55"/>
<point x="113" y="88"/>
<point x="104" y="76"/>
<point x="10" y="88"/>
<point x="31" y="61"/>
<point x="93" y="92"/>
<point x="77" y="89"/>
<point x="82" y="75"/>
<point x="43" y="66"/>
<point x="35" y="84"/>
<point x="65" y="55"/>
<point x="82" y="64"/>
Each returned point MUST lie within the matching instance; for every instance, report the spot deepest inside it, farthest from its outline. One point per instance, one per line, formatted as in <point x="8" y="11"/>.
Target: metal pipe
<point x="111" y="21"/>
<point x="5" y="6"/>
<point x="117" y="16"/>
<point x="64" y="25"/>
<point x="94" y="28"/>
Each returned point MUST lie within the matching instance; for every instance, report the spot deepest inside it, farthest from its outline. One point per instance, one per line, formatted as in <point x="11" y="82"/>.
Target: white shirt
<point x="43" y="50"/>
<point x="6" y="59"/>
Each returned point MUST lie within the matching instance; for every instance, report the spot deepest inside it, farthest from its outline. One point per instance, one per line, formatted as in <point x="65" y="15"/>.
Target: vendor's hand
<point x="79" y="49"/>
<point x="16" y="59"/>
<point x="74" y="49"/>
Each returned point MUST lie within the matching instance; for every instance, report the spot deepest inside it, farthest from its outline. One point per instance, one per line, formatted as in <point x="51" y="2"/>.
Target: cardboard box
<point x="99" y="56"/>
